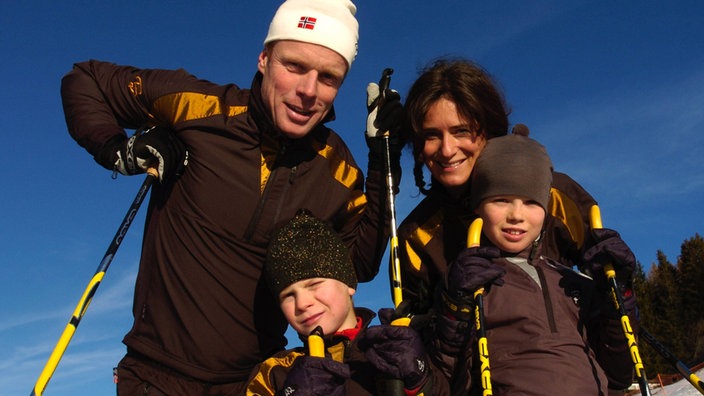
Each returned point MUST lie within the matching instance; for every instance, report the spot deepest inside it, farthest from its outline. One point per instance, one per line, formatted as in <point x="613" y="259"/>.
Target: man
<point x="232" y="163"/>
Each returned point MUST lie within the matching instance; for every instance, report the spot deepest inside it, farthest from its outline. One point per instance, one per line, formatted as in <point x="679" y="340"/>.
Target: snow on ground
<point x="679" y="388"/>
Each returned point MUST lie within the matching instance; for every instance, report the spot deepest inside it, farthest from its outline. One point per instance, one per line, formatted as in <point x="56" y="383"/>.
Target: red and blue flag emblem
<point x="307" y="22"/>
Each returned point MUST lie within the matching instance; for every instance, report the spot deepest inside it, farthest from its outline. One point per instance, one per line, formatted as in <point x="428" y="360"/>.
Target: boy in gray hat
<point x="536" y="309"/>
<point x="309" y="270"/>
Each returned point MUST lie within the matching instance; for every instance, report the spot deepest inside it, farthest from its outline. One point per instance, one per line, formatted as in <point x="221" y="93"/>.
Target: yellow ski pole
<point x="92" y="287"/>
<point x="473" y="240"/>
<point x="595" y="220"/>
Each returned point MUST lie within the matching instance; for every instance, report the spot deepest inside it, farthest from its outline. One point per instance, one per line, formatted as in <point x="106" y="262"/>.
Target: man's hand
<point x="385" y="118"/>
<point x="156" y="147"/>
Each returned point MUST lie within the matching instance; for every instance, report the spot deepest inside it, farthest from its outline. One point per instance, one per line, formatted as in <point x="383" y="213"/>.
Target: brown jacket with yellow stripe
<point x="199" y="305"/>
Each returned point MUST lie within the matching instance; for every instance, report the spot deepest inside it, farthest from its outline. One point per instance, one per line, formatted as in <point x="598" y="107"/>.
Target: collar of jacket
<point x="331" y="339"/>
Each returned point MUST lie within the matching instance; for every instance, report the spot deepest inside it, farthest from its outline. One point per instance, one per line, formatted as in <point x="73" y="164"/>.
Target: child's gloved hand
<point x="398" y="352"/>
<point x="610" y="249"/>
<point x="312" y="376"/>
<point x="472" y="269"/>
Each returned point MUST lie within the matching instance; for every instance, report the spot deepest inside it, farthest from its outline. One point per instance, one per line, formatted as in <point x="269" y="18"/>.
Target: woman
<point x="452" y="109"/>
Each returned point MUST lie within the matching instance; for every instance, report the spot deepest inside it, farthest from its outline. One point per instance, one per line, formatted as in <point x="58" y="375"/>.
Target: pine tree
<point x="690" y="277"/>
<point x="658" y="304"/>
<point x="671" y="304"/>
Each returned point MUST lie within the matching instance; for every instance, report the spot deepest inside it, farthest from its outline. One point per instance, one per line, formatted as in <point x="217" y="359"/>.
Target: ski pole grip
<point x="473" y="240"/>
<point x="475" y="232"/>
<point x="316" y="346"/>
<point x="384" y="82"/>
<point x="595" y="217"/>
<point x="151" y="171"/>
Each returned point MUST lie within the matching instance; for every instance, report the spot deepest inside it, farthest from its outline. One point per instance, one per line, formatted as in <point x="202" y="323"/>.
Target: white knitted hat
<point x="330" y="23"/>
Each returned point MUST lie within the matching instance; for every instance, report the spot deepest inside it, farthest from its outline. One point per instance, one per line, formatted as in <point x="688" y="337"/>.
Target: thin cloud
<point x="641" y="140"/>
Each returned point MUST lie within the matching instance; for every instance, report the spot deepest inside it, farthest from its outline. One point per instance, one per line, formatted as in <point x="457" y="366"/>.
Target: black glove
<point x="388" y="117"/>
<point x="610" y="249"/>
<point x="398" y="352"/>
<point x="472" y="269"/>
<point x="156" y="147"/>
<point x="315" y="376"/>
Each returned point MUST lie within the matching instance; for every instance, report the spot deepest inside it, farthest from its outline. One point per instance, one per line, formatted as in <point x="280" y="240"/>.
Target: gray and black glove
<point x="156" y="147"/>
<point x="316" y="376"/>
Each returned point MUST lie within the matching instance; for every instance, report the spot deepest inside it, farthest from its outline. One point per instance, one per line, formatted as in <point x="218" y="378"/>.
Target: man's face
<point x="300" y="83"/>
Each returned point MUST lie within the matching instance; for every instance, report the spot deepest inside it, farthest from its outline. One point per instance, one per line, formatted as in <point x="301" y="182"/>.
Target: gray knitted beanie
<point x="512" y="165"/>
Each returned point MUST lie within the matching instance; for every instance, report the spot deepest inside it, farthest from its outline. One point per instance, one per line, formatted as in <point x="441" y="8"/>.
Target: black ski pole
<point x="672" y="359"/>
<point x="473" y="240"/>
<point x="595" y="219"/>
<point x="92" y="287"/>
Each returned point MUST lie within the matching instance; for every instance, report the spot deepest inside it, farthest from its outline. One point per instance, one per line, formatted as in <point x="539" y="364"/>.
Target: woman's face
<point x="451" y="146"/>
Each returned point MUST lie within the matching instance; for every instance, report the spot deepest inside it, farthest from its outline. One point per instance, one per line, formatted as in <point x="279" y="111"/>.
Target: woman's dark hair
<point x="473" y="91"/>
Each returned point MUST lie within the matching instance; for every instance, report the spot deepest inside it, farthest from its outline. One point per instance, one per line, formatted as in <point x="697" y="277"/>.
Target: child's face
<point x="511" y="222"/>
<point x="320" y="302"/>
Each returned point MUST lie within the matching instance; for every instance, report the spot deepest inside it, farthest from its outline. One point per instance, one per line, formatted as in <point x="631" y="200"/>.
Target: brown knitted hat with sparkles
<point x="307" y="248"/>
<point x="512" y="165"/>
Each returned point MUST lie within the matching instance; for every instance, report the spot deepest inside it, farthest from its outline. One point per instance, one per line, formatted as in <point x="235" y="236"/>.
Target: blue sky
<point x="614" y="90"/>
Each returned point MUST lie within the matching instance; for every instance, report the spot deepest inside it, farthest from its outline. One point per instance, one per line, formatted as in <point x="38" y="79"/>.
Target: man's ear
<point x="263" y="60"/>
<point x="351" y="291"/>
